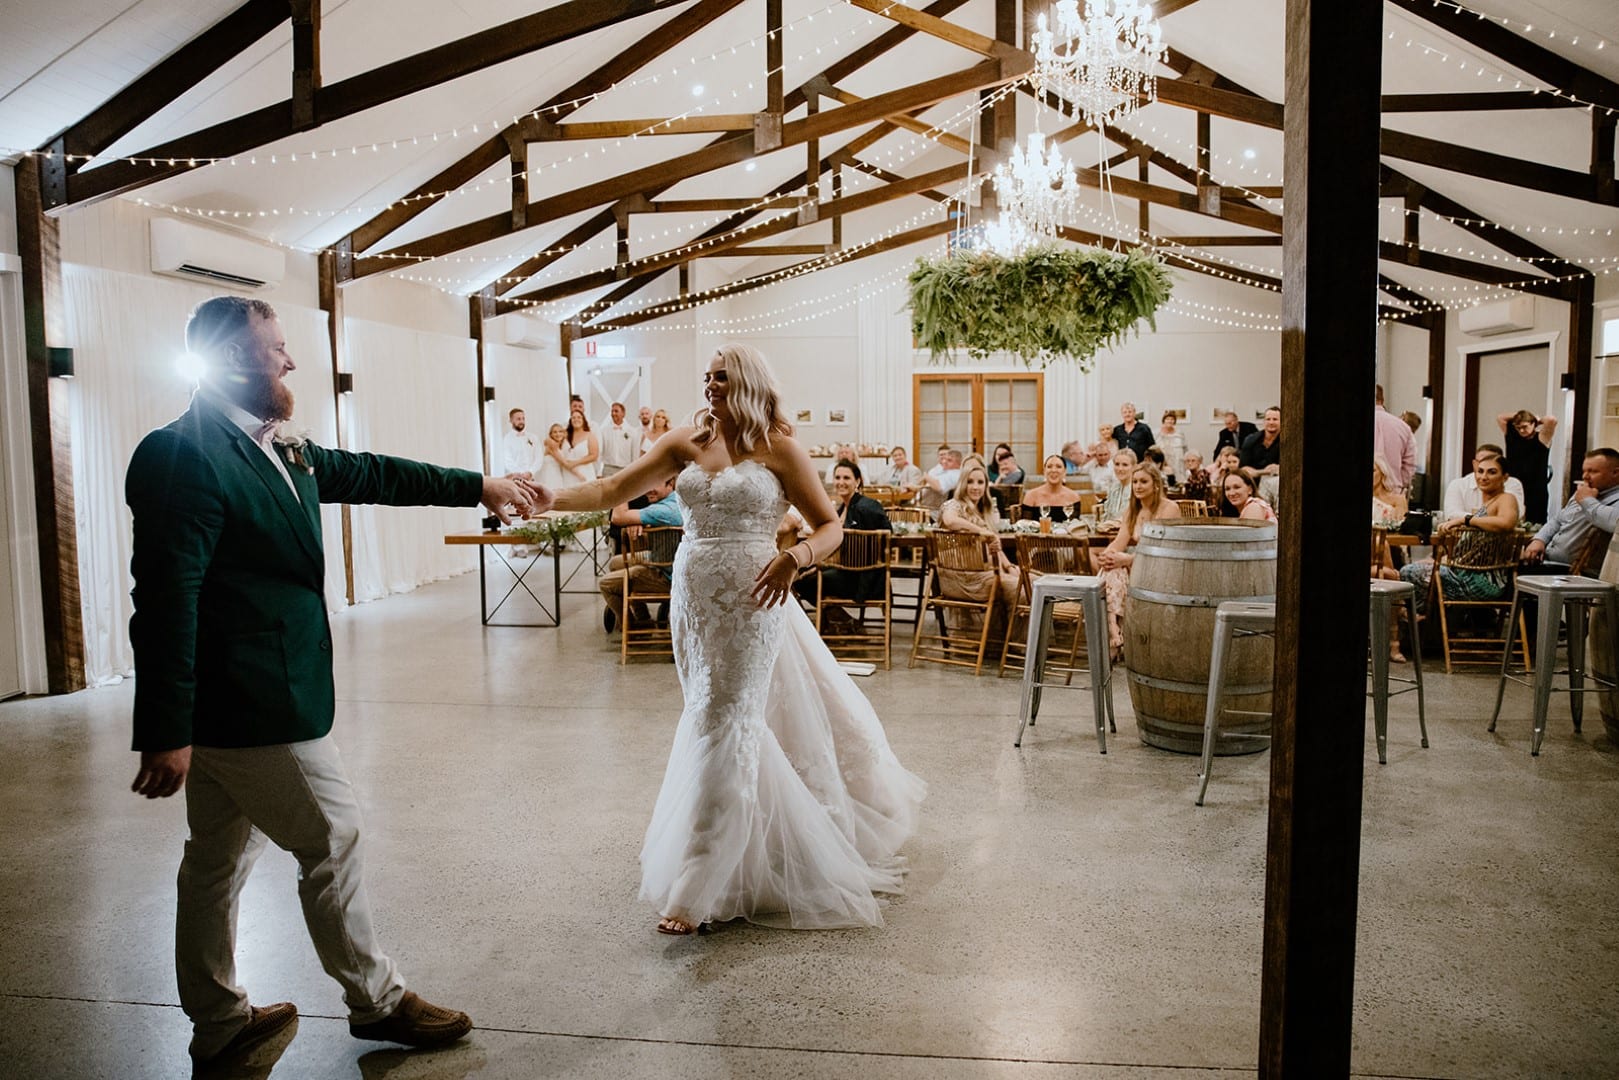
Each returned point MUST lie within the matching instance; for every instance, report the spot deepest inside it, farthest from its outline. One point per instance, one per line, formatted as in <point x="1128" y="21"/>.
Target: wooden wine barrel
<point x="1181" y="573"/>
<point x="1599" y="654"/>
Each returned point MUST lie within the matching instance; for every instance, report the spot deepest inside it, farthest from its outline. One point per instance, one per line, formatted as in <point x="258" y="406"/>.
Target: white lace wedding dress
<point x="782" y="802"/>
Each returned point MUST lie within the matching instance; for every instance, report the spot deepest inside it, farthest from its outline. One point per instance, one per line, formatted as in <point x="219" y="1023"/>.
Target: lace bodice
<point x="741" y="501"/>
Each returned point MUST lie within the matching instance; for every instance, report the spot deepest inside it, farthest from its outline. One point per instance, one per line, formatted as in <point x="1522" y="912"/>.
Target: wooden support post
<point x="837" y="193"/>
<point x="1581" y="341"/>
<point x="1434" y="493"/>
<point x="480" y="309"/>
<point x="1329" y="320"/>
<point x="331" y="302"/>
<point x="44" y="326"/>
<point x="767" y="125"/>
<point x="1602" y="129"/>
<point x="569" y="332"/>
<point x="517" y="144"/>
<point x="1208" y="189"/>
<point x="621" y="248"/>
<point x="685" y="275"/>
<point x="1143" y="207"/>
<point x="306" y="71"/>
<point x="1413" y="221"/>
<point x="812" y="150"/>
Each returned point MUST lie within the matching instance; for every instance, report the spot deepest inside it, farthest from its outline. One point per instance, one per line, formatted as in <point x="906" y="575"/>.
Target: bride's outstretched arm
<point x="666" y="458"/>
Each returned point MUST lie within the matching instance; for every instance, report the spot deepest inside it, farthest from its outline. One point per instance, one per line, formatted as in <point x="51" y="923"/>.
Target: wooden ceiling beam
<point x="1484" y="165"/>
<point x="912" y="124"/>
<point x="1521" y="53"/>
<point x="669" y="125"/>
<point x="1019" y="60"/>
<point x="1491" y="101"/>
<point x="486" y="155"/>
<point x="389" y="82"/>
<point x="727" y="152"/>
<point x="1392" y="251"/>
<point x="563" y="246"/>
<point x="1237" y="214"/>
<point x="1249" y="109"/>
<point x="174" y="75"/>
<point x="1228" y="241"/>
<point x="911" y="236"/>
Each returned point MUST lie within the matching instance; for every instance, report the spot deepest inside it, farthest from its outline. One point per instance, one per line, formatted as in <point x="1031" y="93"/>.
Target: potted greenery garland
<point x="1046" y="303"/>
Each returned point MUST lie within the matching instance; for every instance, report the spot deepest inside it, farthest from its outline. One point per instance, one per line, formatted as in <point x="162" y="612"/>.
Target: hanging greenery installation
<point x="1048" y="303"/>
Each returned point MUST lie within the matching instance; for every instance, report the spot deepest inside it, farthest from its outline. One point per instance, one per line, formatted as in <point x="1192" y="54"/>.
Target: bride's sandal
<point x="678" y="927"/>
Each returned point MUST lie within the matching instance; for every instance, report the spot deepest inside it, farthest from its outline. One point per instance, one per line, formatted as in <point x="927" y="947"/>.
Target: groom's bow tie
<point x="265" y="431"/>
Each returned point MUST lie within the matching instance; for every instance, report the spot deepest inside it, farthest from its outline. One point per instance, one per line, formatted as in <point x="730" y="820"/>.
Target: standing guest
<point x="620" y="442"/>
<point x="1529" y="441"/>
<point x="1234" y="434"/>
<point x="519" y="450"/>
<point x="1100" y="469"/>
<point x="1149" y="501"/>
<point x="1004" y="468"/>
<point x="940" y="482"/>
<point x="645" y="416"/>
<point x="556" y="470"/>
<point x="1594" y="505"/>
<point x="854" y="511"/>
<point x="657" y="429"/>
<point x="234" y="698"/>
<point x="1243" y="497"/>
<point x="902" y="474"/>
<point x="660" y="507"/>
<point x="1262" y="451"/>
<point x="1195" y="483"/>
<point x="1173" y="445"/>
<point x="1130" y="433"/>
<point x="582" y="449"/>
<point x="1393" y="441"/>
<point x="1117" y="500"/>
<point x="1499" y="513"/>
<point x="1462" y="494"/>
<point x="1053" y="498"/>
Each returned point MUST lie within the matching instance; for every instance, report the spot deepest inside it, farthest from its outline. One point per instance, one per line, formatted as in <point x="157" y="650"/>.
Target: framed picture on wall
<point x="1258" y="411"/>
<point x="1217" y="414"/>
<point x="1180" y="413"/>
<point x="804" y="416"/>
<point x="837" y="416"/>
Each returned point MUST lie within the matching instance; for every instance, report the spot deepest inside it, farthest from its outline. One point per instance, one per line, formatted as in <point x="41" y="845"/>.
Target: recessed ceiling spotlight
<point x="697" y="91"/>
<point x="1249" y="154"/>
<point x="750" y="166"/>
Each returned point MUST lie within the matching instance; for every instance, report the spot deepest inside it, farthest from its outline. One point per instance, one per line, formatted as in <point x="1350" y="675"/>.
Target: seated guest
<point x="1234" y="434"/>
<point x="1243" y="497"/>
<point x="1594" y="505"/>
<point x="662" y="508"/>
<point x="1074" y="459"/>
<point x="972" y="510"/>
<point x="1104" y="446"/>
<point x="1004" y="468"/>
<point x="901" y="473"/>
<point x="940" y="482"/>
<point x="855" y="511"/>
<point x="1116" y="501"/>
<point x="1499" y="513"/>
<point x="1054" y="497"/>
<point x="1262" y="451"/>
<point x="841" y="452"/>
<point x="1196" y="481"/>
<point x="1226" y="462"/>
<point x="1100" y="468"/>
<point x="1462" y="494"/>
<point x="1149" y="501"/>
<point x="1388" y="504"/>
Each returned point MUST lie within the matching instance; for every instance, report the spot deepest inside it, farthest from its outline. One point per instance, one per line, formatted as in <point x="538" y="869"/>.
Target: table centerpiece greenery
<point x="555" y="528"/>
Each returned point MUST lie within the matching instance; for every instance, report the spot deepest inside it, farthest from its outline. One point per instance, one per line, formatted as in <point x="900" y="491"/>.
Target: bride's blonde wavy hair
<point x="752" y="398"/>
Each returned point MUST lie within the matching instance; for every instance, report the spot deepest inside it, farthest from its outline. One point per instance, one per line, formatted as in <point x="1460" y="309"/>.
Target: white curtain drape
<point x="884" y="368"/>
<point x="414" y="395"/>
<point x="128" y="335"/>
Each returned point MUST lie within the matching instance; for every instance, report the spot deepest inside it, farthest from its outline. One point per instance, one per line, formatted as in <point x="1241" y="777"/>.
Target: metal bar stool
<point x="1557" y="595"/>
<point x="1385" y="594"/>
<point x="1232" y="619"/>
<point x="1047" y="591"/>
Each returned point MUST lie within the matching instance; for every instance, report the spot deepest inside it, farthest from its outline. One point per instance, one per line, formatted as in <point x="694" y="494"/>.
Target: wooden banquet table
<point x="915" y="541"/>
<point x="495" y="541"/>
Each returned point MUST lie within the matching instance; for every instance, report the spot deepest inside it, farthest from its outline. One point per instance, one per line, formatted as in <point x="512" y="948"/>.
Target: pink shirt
<point x="1393" y="442"/>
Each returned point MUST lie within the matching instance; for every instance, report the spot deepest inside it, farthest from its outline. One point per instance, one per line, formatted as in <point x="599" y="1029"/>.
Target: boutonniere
<point x="292" y="448"/>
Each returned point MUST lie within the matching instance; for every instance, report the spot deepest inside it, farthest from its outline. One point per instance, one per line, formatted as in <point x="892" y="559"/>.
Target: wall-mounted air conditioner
<point x="1500" y="317"/>
<point x="196" y="252"/>
<point x="527" y="332"/>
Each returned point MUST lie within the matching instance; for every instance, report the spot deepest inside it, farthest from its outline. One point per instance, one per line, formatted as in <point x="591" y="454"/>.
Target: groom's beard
<point x="266" y="397"/>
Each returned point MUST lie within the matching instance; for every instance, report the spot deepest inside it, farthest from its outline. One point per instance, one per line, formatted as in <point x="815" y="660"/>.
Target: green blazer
<point x="232" y="645"/>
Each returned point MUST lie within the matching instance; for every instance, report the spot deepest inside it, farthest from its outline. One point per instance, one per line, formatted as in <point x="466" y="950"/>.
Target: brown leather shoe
<point x="262" y="1023"/>
<point x="416" y="1023"/>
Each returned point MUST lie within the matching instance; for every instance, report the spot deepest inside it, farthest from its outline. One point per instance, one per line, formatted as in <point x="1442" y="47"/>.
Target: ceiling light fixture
<point x="1103" y="62"/>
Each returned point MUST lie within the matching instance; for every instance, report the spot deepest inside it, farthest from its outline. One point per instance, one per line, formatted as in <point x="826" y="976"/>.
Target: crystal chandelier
<point x="1037" y="190"/>
<point x="1102" y="62"/>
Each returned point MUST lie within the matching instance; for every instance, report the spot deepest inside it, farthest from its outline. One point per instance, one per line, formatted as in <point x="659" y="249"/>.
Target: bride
<point x="782" y="802"/>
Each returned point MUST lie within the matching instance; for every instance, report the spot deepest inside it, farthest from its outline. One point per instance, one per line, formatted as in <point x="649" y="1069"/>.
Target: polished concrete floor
<point x="1068" y="916"/>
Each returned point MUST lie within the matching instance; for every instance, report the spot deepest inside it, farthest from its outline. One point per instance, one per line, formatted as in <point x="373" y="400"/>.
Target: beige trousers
<point x="298" y="796"/>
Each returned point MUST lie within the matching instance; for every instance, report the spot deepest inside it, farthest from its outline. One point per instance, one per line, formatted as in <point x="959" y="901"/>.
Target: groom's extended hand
<point x="499" y="492"/>
<point x="163" y="772"/>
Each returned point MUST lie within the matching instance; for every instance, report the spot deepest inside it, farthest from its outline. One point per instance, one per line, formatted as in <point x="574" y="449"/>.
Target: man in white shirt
<point x="939" y="483"/>
<point x="619" y="442"/>
<point x="520" y="451"/>
<point x="1462" y="496"/>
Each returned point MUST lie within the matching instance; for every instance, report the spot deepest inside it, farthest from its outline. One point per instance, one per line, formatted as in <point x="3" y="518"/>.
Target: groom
<point x="233" y="690"/>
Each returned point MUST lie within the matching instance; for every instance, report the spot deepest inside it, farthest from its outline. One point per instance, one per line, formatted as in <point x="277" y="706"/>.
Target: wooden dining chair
<point x="652" y="546"/>
<point x="1479" y="551"/>
<point x="1193" y="508"/>
<point x="968" y="553"/>
<point x="863" y="551"/>
<point x="1038" y="555"/>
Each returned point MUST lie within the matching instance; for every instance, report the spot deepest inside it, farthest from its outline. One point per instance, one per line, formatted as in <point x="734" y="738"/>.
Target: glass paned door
<point x="1012" y="415"/>
<point x="944" y="414"/>
<point x="974" y="412"/>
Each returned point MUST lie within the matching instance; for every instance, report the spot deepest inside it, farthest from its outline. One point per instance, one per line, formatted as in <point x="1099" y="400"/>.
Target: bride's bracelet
<point x="796" y="564"/>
